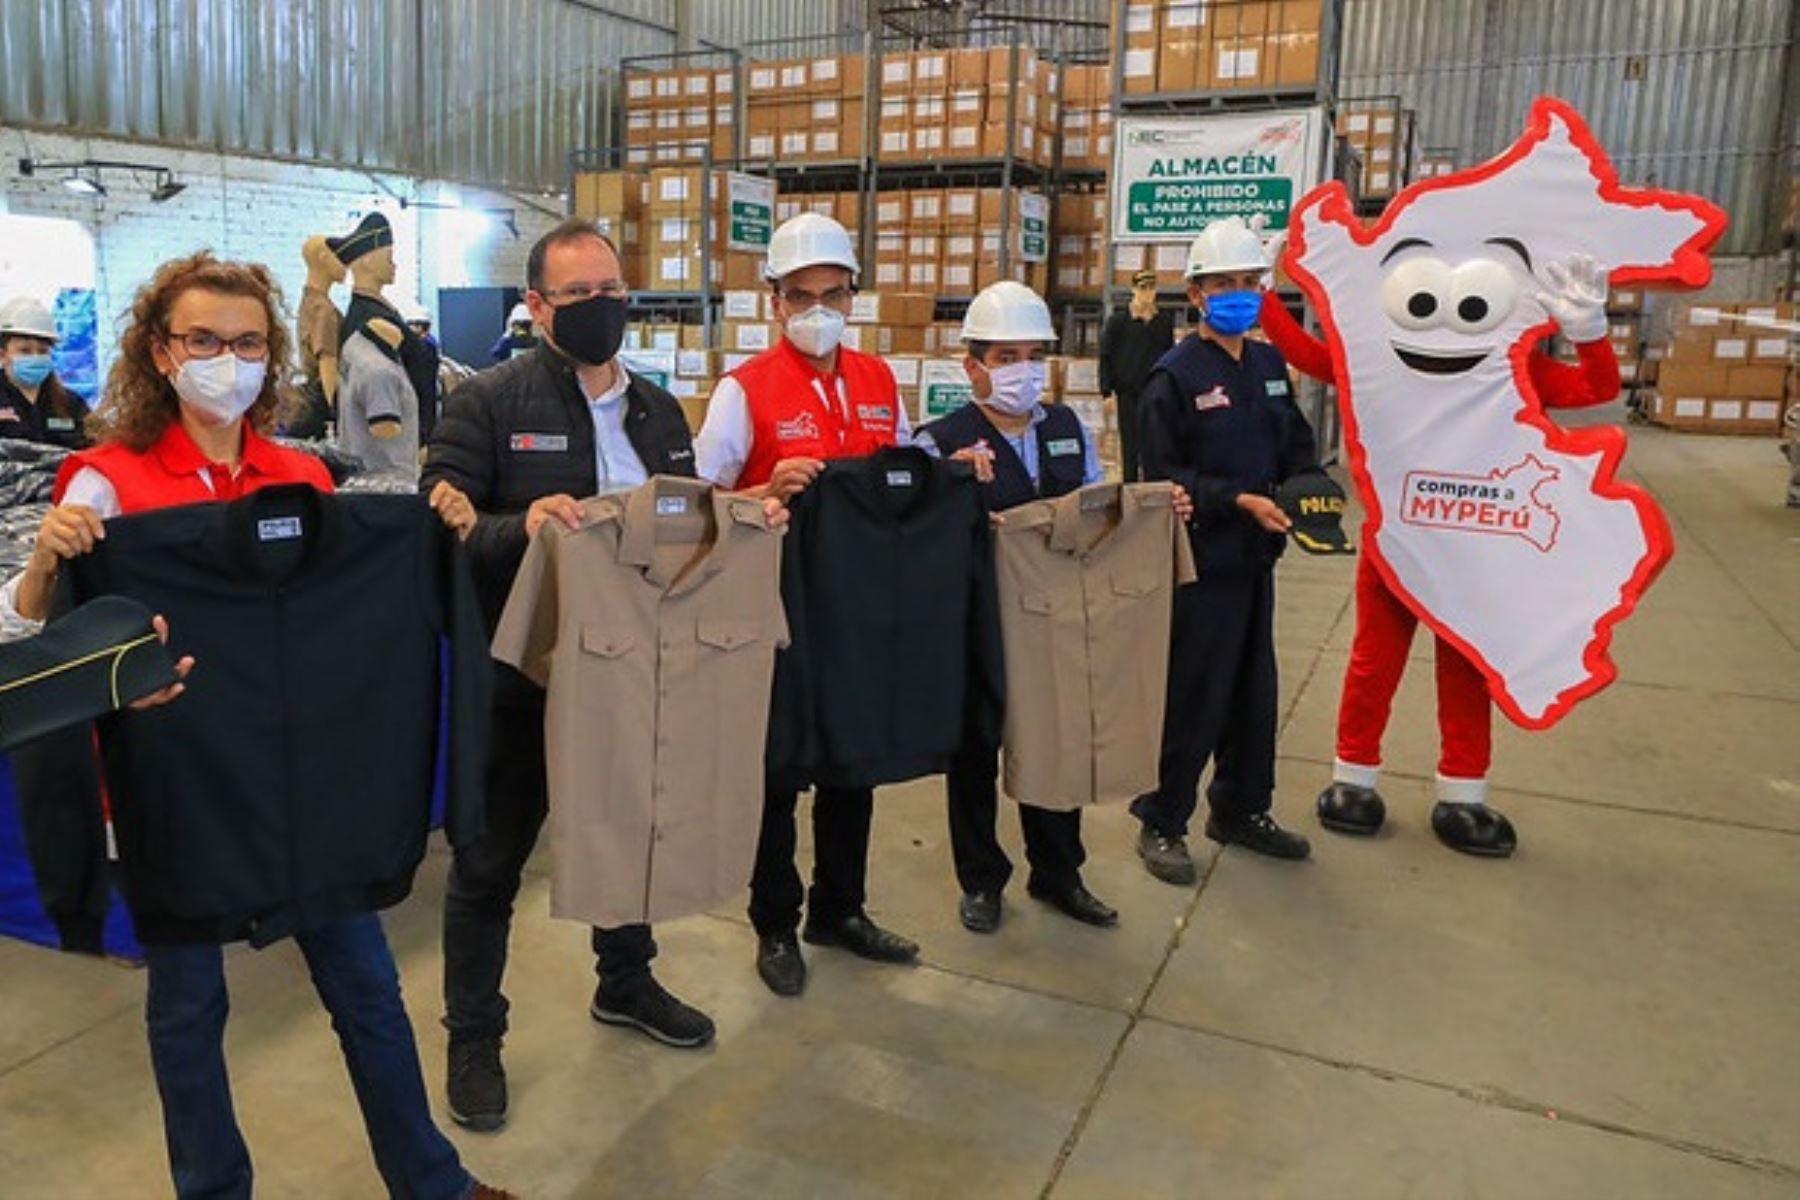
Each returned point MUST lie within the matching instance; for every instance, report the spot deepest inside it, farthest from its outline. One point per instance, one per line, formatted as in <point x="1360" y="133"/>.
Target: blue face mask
<point x="31" y="369"/>
<point x="1232" y="313"/>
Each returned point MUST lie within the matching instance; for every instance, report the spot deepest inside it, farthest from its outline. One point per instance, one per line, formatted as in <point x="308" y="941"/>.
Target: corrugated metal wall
<point x="1683" y="93"/>
<point x="733" y="23"/>
<point x="500" y="92"/>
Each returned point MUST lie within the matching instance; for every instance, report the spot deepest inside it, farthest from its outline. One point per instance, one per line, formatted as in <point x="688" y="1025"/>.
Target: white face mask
<point x="817" y="331"/>
<point x="223" y="388"/>
<point x="1015" y="388"/>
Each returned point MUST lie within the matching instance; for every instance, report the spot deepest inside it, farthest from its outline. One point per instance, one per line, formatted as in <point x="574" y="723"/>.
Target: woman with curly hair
<point x="183" y="420"/>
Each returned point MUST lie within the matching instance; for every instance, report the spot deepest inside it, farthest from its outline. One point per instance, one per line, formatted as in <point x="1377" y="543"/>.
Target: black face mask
<point x="590" y="331"/>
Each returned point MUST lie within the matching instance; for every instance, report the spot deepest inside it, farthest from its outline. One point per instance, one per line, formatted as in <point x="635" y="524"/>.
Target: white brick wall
<point x="262" y="210"/>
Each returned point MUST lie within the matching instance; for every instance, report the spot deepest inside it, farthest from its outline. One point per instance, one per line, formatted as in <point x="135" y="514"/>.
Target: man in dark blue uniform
<point x="1220" y="419"/>
<point x="1022" y="450"/>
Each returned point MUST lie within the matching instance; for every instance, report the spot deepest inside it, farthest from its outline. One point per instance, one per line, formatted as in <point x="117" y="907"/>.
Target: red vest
<point x="169" y="471"/>
<point x="794" y="410"/>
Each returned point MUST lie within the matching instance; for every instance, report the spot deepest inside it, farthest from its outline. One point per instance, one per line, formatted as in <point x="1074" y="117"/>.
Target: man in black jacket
<point x="524" y="439"/>
<point x="1134" y="339"/>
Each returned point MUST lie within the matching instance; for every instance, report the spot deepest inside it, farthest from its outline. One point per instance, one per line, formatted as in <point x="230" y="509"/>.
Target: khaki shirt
<point x="317" y="324"/>
<point x="1087" y="582"/>
<point x="654" y="627"/>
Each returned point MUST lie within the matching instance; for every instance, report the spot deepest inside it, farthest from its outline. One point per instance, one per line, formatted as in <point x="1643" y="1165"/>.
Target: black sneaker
<point x="477" y="1084"/>
<point x="1166" y="857"/>
<point x="651" y="1010"/>
<point x="1260" y="835"/>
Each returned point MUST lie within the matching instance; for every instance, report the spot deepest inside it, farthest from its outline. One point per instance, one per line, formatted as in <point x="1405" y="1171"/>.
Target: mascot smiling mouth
<point x="1439" y="364"/>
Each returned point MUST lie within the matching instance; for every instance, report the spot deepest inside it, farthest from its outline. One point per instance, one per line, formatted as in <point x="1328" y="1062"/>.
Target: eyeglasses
<point x="575" y="293"/>
<point x="799" y="300"/>
<point x="204" y="343"/>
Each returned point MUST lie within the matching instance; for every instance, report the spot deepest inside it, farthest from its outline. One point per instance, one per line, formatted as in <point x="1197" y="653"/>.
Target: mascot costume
<point x="1509" y="536"/>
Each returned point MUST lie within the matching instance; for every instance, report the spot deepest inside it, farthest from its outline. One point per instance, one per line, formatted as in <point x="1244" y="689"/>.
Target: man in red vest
<point x="770" y="426"/>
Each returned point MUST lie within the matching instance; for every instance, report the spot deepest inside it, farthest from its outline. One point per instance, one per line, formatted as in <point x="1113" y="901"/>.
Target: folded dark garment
<point x="98" y="658"/>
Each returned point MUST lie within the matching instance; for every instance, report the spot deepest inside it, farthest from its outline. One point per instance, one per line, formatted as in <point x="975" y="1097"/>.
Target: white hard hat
<point x="809" y="240"/>
<point x="1008" y="312"/>
<point x="23" y="315"/>
<point x="520" y="315"/>
<point x="1227" y="244"/>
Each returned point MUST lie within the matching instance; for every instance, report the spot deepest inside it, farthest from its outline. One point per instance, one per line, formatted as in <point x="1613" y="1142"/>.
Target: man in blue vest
<point x="1220" y="419"/>
<point x="1022" y="450"/>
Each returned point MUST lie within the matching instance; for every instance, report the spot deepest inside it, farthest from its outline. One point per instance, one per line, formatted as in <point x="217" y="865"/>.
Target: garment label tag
<point x="60" y="424"/>
<point x="900" y="478"/>
<point x="540" y="442"/>
<point x="1276" y="387"/>
<point x="671" y="506"/>
<point x="1059" y="446"/>
<point x="278" y="529"/>
<point x="1210" y="400"/>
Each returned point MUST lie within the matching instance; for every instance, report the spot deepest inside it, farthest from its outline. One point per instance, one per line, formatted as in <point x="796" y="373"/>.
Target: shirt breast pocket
<point x="602" y="642"/>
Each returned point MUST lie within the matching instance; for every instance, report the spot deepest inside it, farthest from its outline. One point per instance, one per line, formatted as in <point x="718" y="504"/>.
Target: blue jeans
<point x="353" y="971"/>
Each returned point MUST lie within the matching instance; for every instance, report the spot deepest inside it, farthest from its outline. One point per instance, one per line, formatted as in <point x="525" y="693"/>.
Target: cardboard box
<point x="968" y="69"/>
<point x="1180" y="65"/>
<point x="853" y="76"/>
<point x="1765" y="382"/>
<point x="762" y="79"/>
<point x="1693" y="379"/>
<point x="748" y="336"/>
<point x="822" y="75"/>
<point x="963" y="139"/>
<point x="930" y="71"/>
<point x="1732" y="347"/>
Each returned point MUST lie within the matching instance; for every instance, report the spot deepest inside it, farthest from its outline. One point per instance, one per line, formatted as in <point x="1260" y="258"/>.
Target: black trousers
<point x="1129" y="433"/>
<point x="1221" y="703"/>
<point x="484" y="880"/>
<point x="1052" y="839"/>
<point x="840" y="819"/>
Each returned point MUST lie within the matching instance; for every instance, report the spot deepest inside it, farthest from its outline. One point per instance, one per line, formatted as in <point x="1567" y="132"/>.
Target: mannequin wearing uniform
<point x="1220" y="419"/>
<point x="318" y="321"/>
<point x="770" y="424"/>
<point x="369" y="253"/>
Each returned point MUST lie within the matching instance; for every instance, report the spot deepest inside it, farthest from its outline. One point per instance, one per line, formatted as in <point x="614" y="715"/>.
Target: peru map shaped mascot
<point x="1509" y="536"/>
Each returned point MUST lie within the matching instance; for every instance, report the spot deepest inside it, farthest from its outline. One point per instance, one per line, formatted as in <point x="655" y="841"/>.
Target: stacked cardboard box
<point x="1079" y="228"/>
<point x="944" y="241"/>
<point x="661" y="222"/>
<point x="1087" y="120"/>
<point x="1386" y="136"/>
<point x="966" y="104"/>
<point x="1167" y="259"/>
<point x="1182" y="46"/>
<point x="1433" y="163"/>
<point x="675" y="117"/>
<point x="1725" y="368"/>
<point x="804" y="109"/>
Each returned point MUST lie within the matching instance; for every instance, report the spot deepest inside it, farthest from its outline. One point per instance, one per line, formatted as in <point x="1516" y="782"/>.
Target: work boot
<point x="477" y="1084"/>
<point x="863" y="938"/>
<point x="1474" y="829"/>
<point x="1260" y="835"/>
<point x="980" y="911"/>
<point x="779" y="963"/>
<point x="1166" y="857"/>
<point x="1347" y="808"/>
<point x="652" y="1011"/>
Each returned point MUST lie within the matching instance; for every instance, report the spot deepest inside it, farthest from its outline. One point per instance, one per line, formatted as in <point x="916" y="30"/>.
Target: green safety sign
<point x="752" y="211"/>
<point x="943" y="388"/>
<point x="1176" y="174"/>
<point x="1034" y="226"/>
<point x="1184" y="206"/>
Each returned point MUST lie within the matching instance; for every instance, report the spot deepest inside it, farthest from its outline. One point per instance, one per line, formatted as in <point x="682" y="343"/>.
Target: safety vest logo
<point x="880" y="414"/>
<point x="1505" y="501"/>
<point x="1217" y="398"/>
<point x="800" y="428"/>
<point x="539" y="443"/>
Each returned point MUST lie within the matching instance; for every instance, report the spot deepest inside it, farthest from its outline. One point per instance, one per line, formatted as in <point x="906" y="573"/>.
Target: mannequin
<point x="378" y="414"/>
<point x="319" y="320"/>
<point x="368" y="250"/>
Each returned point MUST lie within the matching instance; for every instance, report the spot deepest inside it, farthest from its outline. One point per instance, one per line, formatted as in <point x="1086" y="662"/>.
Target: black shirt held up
<point x="291" y="784"/>
<point x="888" y="582"/>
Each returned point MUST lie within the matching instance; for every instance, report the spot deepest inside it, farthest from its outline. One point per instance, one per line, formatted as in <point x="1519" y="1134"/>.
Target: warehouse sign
<point x="752" y="211"/>
<point x="1175" y="174"/>
<point x="1034" y="226"/>
<point x="943" y="388"/>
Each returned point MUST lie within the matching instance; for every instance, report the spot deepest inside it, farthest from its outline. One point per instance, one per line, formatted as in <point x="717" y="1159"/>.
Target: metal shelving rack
<point x="1321" y="93"/>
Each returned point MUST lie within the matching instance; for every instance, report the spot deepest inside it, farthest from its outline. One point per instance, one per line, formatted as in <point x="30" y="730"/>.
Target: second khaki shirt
<point x="1087" y="584"/>
<point x="654" y="628"/>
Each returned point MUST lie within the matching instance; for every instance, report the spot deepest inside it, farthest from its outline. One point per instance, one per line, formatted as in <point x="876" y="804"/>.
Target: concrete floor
<point x="1615" y="1012"/>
